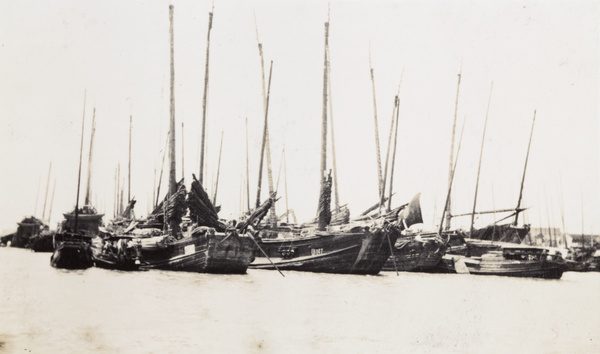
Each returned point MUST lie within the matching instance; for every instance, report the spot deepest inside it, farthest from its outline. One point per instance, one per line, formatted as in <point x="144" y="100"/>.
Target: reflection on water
<point x="45" y="310"/>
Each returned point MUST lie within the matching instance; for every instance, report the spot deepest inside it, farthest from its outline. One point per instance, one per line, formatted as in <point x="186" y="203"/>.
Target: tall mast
<point x="480" y="156"/>
<point x="287" y="210"/>
<point x="218" y="171"/>
<point x="119" y="189"/>
<point x="324" y="117"/>
<point x="335" y="181"/>
<point x="387" y="156"/>
<point x="247" y="169"/>
<point x="129" y="163"/>
<point x="449" y="206"/>
<point x="51" y="202"/>
<point x="89" y="175"/>
<point x="452" y="178"/>
<point x="47" y="186"/>
<point x="80" y="158"/>
<point x="182" y="150"/>
<point x="37" y="195"/>
<point x="115" y="196"/>
<point x="394" y="152"/>
<point x="273" y="215"/>
<point x="376" y="131"/>
<point x="202" y="137"/>
<point x="517" y="210"/>
<point x="262" y="147"/>
<point x="174" y="225"/>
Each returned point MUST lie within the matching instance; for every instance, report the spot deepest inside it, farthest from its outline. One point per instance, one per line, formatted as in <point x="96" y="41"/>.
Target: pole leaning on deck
<point x="380" y="179"/>
<point x="451" y="162"/>
<point x="129" y="163"/>
<point x="88" y="193"/>
<point x="480" y="156"/>
<point x="202" y="137"/>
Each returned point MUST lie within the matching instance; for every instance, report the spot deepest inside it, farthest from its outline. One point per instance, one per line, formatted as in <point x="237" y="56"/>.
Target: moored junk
<point x="169" y="240"/>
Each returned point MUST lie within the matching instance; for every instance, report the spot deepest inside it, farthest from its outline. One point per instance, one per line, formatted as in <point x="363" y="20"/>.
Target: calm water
<point x="45" y="310"/>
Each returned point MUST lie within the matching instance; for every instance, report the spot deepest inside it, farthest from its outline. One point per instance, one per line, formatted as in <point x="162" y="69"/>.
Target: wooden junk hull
<point x="204" y="252"/>
<point x="411" y="255"/>
<point x="354" y="251"/>
<point x="71" y="252"/>
<point x="508" y="268"/>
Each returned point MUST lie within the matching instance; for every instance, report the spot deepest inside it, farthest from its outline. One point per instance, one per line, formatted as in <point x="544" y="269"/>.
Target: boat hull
<point x="411" y="255"/>
<point x="360" y="250"/>
<point x="203" y="252"/>
<point x="71" y="252"/>
<point x="508" y="268"/>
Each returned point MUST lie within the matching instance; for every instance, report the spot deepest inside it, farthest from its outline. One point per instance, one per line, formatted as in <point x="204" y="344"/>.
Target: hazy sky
<point x="540" y="55"/>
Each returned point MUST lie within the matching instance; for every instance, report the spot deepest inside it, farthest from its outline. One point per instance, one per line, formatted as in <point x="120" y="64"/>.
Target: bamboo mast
<point x="376" y="131"/>
<point x="162" y="166"/>
<point x="153" y="192"/>
<point x="449" y="206"/>
<point x="262" y="147"/>
<point x="37" y="195"/>
<point x="47" y="186"/>
<point x="218" y="171"/>
<point x="324" y="116"/>
<point x="51" y="202"/>
<point x="89" y="175"/>
<point x="80" y="158"/>
<point x="517" y="210"/>
<point x="202" y="137"/>
<point x="119" y="189"/>
<point x="480" y="156"/>
<point x="247" y="169"/>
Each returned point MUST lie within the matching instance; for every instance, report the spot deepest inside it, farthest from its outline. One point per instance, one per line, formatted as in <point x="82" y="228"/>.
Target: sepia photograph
<point x="344" y="176"/>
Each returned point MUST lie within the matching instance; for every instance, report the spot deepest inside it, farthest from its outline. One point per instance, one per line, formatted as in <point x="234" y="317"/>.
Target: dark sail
<point x="202" y="211"/>
<point x="324" y="213"/>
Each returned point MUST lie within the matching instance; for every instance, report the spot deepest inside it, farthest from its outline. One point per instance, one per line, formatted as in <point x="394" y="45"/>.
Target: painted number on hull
<point x="316" y="251"/>
<point x="189" y="249"/>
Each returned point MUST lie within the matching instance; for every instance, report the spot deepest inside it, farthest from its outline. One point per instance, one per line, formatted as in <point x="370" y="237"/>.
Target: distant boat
<point x="73" y="242"/>
<point x="416" y="252"/>
<point x="513" y="261"/>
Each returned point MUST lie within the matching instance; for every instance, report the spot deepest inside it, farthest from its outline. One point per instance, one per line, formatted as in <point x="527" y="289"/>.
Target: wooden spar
<point x="480" y="156"/>
<point x="582" y="234"/>
<point x="247" y="169"/>
<point x="115" y="195"/>
<point x="494" y="207"/>
<point x="121" y="206"/>
<point x="47" y="186"/>
<point x="524" y="170"/>
<point x="324" y="116"/>
<point x="119" y="189"/>
<point x="37" y="195"/>
<point x="182" y="150"/>
<point x="218" y="171"/>
<point x="452" y="179"/>
<point x="51" y="202"/>
<point x="80" y="158"/>
<point x="262" y="147"/>
<point x="279" y="172"/>
<point x="449" y="206"/>
<point x="162" y="166"/>
<point x="334" y="162"/>
<point x="89" y="172"/>
<point x="174" y="225"/>
<point x="202" y="137"/>
<point x="494" y="211"/>
<point x="287" y="214"/>
<point x="387" y="156"/>
<point x="129" y="162"/>
<point x="376" y="131"/>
